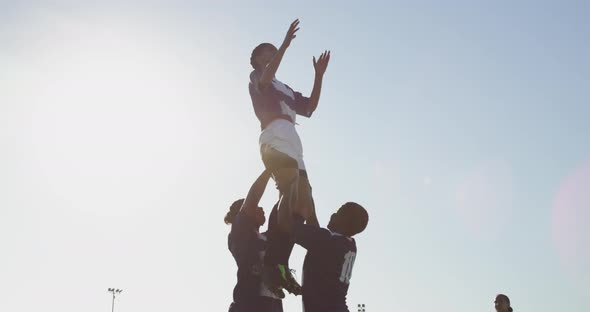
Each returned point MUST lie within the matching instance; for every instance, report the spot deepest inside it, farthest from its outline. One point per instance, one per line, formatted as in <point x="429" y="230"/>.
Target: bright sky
<point x="126" y="131"/>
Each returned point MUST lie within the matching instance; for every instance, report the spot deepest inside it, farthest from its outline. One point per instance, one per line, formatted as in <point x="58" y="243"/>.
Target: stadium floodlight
<point x="114" y="291"/>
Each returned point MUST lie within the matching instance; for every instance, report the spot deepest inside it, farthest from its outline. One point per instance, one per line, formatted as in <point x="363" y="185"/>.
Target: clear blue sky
<point x="126" y="130"/>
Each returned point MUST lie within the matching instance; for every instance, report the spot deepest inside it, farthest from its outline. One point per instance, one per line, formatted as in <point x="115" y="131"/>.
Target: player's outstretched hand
<point x="322" y="63"/>
<point x="291" y="33"/>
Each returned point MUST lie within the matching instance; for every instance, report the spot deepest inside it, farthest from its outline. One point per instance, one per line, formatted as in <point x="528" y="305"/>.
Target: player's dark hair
<point x="257" y="51"/>
<point x="356" y="218"/>
<point x="505" y="298"/>
<point x="233" y="211"/>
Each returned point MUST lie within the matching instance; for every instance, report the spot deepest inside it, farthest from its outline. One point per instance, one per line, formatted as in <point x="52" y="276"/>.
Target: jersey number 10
<point x="347" y="267"/>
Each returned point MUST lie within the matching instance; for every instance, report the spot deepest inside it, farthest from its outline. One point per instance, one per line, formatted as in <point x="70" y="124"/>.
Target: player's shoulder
<point x="243" y="221"/>
<point x="343" y="239"/>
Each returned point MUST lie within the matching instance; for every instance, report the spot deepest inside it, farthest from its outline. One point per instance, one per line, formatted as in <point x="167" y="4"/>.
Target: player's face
<point x="266" y="56"/>
<point x="334" y="221"/>
<point x="260" y="217"/>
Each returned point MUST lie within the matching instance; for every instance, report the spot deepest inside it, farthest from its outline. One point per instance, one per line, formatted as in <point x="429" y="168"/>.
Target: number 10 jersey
<point x="327" y="268"/>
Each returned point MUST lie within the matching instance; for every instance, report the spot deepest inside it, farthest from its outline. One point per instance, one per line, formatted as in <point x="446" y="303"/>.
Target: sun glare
<point x="112" y="110"/>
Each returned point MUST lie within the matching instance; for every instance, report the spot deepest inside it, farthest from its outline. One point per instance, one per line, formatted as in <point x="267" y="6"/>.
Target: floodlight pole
<point x="114" y="291"/>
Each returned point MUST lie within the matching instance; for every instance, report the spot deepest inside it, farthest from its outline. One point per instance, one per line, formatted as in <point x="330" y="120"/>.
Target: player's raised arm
<point x="308" y="236"/>
<point x="255" y="194"/>
<point x="271" y="69"/>
<point x="320" y="67"/>
<point x="312" y="219"/>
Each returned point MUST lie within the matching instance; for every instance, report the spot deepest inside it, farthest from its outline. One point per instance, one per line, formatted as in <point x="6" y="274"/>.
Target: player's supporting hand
<point x="291" y="33"/>
<point x="322" y="63"/>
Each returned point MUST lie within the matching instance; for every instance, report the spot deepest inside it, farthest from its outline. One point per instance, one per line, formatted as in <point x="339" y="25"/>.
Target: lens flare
<point x="483" y="199"/>
<point x="571" y="215"/>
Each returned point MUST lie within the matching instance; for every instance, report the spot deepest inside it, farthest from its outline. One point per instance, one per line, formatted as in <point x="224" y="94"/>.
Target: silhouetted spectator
<point x="502" y="303"/>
